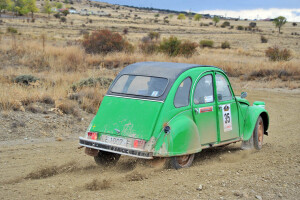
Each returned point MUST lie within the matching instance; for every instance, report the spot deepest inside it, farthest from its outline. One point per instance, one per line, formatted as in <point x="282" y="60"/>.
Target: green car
<point x="159" y="109"/>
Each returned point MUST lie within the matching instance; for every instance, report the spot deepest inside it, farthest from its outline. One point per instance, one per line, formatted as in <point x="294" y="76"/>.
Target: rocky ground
<point x="39" y="159"/>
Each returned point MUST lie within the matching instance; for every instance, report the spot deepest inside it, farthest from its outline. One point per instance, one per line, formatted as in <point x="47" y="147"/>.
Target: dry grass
<point x="57" y="59"/>
<point x="59" y="67"/>
<point x="98" y="185"/>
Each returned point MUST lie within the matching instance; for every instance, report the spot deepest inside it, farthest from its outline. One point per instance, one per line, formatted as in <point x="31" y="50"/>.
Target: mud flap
<point x="246" y="145"/>
<point x="91" y="152"/>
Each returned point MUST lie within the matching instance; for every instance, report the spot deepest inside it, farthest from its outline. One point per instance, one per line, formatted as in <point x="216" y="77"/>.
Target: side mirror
<point x="244" y="95"/>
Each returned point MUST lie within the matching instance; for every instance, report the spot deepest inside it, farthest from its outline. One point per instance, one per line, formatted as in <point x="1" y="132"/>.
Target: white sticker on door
<point x="227" y="117"/>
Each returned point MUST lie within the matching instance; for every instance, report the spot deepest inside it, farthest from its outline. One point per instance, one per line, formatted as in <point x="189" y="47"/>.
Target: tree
<point x="197" y="17"/>
<point x="19" y="7"/>
<point x="47" y="8"/>
<point x="31" y="6"/>
<point x="3" y="6"/>
<point x="181" y="16"/>
<point x="279" y="22"/>
<point x="10" y="5"/>
<point x="216" y="19"/>
<point x="58" y="5"/>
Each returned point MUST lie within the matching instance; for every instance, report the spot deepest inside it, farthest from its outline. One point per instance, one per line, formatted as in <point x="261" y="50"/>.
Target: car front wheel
<point x="105" y="158"/>
<point x="256" y="140"/>
<point x="258" y="134"/>
<point x="184" y="161"/>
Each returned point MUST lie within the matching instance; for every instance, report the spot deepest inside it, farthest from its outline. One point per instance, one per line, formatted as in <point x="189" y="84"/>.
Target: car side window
<point x="223" y="88"/>
<point x="204" y="91"/>
<point x="182" y="96"/>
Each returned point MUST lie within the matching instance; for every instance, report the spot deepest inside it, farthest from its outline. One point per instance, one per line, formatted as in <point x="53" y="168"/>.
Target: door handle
<point x="220" y="107"/>
<point x="196" y="110"/>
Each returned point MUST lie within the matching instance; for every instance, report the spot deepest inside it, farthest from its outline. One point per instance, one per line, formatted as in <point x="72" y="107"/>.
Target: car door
<point x="205" y="109"/>
<point x="227" y="109"/>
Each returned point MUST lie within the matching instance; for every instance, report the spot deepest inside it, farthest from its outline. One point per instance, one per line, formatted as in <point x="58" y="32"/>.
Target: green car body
<point x="154" y="126"/>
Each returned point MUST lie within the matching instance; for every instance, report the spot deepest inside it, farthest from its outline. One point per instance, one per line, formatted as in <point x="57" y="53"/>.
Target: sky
<point x="250" y="9"/>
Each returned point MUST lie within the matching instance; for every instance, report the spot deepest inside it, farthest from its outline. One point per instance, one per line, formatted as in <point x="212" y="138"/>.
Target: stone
<point x="200" y="187"/>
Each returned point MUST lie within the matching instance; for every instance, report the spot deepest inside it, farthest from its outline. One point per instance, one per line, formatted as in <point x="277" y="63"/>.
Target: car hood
<point x="119" y="116"/>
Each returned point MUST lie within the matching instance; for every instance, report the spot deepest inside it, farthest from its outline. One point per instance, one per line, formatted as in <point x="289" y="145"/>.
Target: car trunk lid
<point x="127" y="117"/>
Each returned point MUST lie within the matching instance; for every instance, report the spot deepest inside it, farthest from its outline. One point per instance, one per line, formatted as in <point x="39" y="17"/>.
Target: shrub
<point x="276" y="54"/>
<point x="105" y="41"/>
<point x="206" y="43"/>
<point x="153" y="35"/>
<point x="25" y="79"/>
<point x="173" y="47"/>
<point x="63" y="19"/>
<point x="252" y="24"/>
<point x="263" y="39"/>
<point x="240" y="28"/>
<point x="226" y="23"/>
<point x="68" y="107"/>
<point x="92" y="82"/>
<point x="11" y="30"/>
<point x="187" y="48"/>
<point x="170" y="46"/>
<point x="225" y="45"/>
<point x="149" y="47"/>
<point x="57" y="15"/>
<point x="125" y="31"/>
<point x="47" y="99"/>
<point x="65" y="12"/>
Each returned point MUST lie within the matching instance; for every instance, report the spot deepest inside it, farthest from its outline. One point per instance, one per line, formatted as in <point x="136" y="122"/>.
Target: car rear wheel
<point x="105" y="158"/>
<point x="258" y="134"/>
<point x="184" y="161"/>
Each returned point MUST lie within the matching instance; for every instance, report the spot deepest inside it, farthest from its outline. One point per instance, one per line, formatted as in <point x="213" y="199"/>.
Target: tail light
<point x="138" y="144"/>
<point x="92" y="135"/>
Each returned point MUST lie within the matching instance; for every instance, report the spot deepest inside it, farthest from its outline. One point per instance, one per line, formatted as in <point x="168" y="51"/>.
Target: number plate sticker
<point x="114" y="140"/>
<point x="227" y="117"/>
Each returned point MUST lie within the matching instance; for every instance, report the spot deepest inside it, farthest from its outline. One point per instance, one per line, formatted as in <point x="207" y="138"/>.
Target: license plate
<point x="114" y="140"/>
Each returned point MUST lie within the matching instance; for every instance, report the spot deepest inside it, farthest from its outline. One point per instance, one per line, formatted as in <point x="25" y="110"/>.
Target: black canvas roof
<point x="159" y="69"/>
<point x="167" y="70"/>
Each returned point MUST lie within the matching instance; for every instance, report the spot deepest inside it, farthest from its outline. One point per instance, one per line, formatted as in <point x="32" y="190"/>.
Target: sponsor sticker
<point x="227" y="117"/>
<point x="208" y="99"/>
<point x="206" y="109"/>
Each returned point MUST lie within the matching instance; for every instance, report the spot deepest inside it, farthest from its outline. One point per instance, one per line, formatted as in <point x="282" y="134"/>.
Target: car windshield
<point x="140" y="85"/>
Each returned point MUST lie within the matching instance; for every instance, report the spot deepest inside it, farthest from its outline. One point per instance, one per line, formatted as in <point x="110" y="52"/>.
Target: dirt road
<point x="51" y="169"/>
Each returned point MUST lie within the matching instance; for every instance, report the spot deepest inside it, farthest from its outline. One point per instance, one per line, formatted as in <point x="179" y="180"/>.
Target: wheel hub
<point x="260" y="133"/>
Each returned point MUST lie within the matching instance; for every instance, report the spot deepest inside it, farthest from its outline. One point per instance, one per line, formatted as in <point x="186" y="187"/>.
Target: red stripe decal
<point x="206" y="109"/>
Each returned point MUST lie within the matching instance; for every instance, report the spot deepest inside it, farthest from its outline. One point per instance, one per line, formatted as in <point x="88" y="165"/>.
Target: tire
<point x="256" y="140"/>
<point x="258" y="134"/>
<point x="178" y="162"/>
<point x="105" y="158"/>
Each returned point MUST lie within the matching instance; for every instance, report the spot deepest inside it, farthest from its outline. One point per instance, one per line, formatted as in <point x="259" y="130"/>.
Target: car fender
<point x="183" y="137"/>
<point x="253" y="112"/>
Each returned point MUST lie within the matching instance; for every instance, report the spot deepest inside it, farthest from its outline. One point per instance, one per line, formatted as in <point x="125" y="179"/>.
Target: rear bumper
<point x="114" y="149"/>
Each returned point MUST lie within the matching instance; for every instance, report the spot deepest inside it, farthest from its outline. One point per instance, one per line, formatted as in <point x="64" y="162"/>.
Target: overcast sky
<point x="250" y="9"/>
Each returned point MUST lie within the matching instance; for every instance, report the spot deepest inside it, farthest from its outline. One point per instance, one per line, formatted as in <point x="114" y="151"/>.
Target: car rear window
<point x="140" y="85"/>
